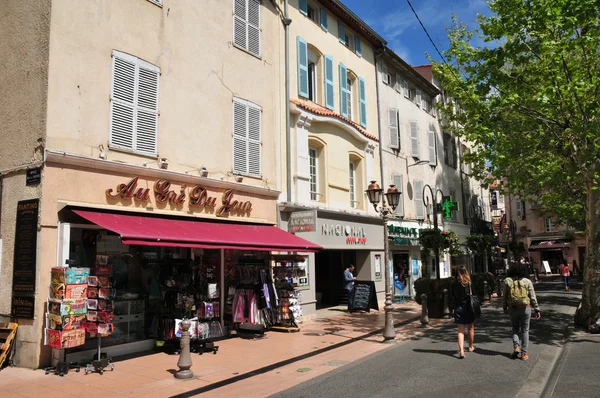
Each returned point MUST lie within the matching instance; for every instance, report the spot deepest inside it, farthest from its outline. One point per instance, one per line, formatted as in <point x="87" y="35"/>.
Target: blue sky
<point x="395" y="22"/>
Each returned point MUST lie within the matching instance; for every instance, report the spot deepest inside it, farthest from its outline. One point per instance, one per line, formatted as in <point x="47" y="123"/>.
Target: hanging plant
<point x="444" y="241"/>
<point x="480" y="244"/>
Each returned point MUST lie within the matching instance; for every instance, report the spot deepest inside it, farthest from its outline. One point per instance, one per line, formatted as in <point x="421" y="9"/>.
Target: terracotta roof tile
<point x="319" y="110"/>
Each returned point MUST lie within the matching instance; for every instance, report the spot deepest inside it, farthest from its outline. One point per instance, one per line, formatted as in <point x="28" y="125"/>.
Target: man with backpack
<point x="518" y="302"/>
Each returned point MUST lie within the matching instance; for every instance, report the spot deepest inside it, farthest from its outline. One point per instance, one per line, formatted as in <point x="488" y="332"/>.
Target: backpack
<point x="518" y="294"/>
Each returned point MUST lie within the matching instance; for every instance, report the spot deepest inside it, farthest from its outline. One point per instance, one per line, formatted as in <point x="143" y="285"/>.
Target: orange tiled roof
<point x="319" y="110"/>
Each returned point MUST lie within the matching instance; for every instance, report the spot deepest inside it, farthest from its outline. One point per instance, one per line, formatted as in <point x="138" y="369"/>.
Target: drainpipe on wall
<point x="286" y="21"/>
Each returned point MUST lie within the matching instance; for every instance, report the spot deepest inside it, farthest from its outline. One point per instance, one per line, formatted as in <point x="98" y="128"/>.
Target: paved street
<point x="428" y="366"/>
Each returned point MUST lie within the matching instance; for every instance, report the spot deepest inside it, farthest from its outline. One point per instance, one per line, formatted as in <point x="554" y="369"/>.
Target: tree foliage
<point x="527" y="85"/>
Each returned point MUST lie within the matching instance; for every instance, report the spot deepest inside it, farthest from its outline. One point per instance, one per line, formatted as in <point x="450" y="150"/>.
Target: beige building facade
<point x="180" y="107"/>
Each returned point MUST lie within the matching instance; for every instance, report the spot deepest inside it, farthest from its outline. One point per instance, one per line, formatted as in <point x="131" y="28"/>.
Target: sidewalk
<point x="245" y="367"/>
<point x="576" y="372"/>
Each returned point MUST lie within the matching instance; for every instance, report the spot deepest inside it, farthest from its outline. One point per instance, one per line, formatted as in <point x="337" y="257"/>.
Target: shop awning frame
<point x="549" y="245"/>
<point x="168" y="232"/>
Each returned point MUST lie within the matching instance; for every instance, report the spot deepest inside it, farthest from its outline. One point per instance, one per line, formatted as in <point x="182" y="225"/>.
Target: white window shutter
<point x="254" y="27"/>
<point x="418" y="97"/>
<point x="134" y="104"/>
<point x="397" y="180"/>
<point x="419" y="206"/>
<point x="254" y="140"/>
<point x="405" y="89"/>
<point x="240" y="136"/>
<point x="414" y="139"/>
<point x="399" y="83"/>
<point x="393" y="128"/>
<point x="240" y="31"/>
<point x="343" y="90"/>
<point x="432" y="152"/>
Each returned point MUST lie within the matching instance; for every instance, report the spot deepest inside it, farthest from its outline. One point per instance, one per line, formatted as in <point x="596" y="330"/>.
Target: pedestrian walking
<point x="518" y="302"/>
<point x="463" y="313"/>
<point x="349" y="279"/>
<point x="565" y="272"/>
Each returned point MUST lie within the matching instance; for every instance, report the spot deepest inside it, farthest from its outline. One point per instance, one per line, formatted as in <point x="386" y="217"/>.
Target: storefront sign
<point x="354" y="235"/>
<point x="197" y="197"/>
<point x="24" y="263"/>
<point x="302" y="221"/>
<point x="34" y="176"/>
<point x="396" y="230"/>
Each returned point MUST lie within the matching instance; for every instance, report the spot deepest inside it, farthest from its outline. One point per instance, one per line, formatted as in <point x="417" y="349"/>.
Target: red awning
<point x="159" y="231"/>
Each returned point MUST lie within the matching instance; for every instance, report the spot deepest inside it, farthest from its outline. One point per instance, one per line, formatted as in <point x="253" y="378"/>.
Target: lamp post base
<point x="389" y="334"/>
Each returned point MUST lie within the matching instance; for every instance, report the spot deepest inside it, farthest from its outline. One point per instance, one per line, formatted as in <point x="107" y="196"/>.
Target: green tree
<point x="526" y="83"/>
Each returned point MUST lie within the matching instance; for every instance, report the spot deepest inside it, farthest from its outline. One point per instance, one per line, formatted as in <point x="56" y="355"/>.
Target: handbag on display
<point x="474" y="303"/>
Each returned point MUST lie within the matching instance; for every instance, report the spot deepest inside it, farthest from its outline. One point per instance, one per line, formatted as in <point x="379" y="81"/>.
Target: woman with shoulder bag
<point x="463" y="313"/>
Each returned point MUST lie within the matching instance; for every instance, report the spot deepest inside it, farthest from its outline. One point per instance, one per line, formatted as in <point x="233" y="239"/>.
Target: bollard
<point x="424" y="313"/>
<point x="446" y="310"/>
<point x="185" y="360"/>
<point x="486" y="291"/>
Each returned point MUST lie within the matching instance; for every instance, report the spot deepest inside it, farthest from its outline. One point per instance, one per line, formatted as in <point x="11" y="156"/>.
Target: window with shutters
<point x="357" y="46"/>
<point x="393" y="128"/>
<point x="349" y="90"/>
<point x="397" y="180"/>
<point x="449" y="151"/>
<point x="418" y="98"/>
<point x="246" y="25"/>
<point x="329" y="86"/>
<point x="385" y="75"/>
<point x="432" y="147"/>
<point x="134" y="104"/>
<point x="247" y="145"/>
<point x="303" y="74"/>
<point x="399" y="83"/>
<point x="414" y="139"/>
<point x="419" y="205"/>
<point x="312" y="82"/>
<point x="313" y="170"/>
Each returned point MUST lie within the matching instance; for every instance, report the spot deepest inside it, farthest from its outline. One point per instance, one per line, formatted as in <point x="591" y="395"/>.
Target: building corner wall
<point x="25" y="32"/>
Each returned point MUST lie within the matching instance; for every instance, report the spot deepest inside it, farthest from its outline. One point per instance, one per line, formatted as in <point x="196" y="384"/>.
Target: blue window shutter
<point x="302" y="68"/>
<point x="341" y="33"/>
<point x="324" y="20"/>
<point x="357" y="46"/>
<point x="343" y="90"/>
<point x="329" y="97"/>
<point x="363" y="102"/>
<point x="303" y="5"/>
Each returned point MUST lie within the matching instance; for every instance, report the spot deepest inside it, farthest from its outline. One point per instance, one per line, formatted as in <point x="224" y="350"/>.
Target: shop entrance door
<point x="329" y="276"/>
<point x="401" y="262"/>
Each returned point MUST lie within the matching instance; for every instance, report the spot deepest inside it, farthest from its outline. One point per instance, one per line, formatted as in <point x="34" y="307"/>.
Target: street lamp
<point x="374" y="193"/>
<point x="436" y="207"/>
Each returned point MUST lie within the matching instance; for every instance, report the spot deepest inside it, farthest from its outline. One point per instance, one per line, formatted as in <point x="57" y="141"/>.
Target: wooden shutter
<point x="414" y="139"/>
<point x="343" y="90"/>
<point x="432" y="151"/>
<point x="418" y="97"/>
<point x="419" y="206"/>
<point x="240" y="136"/>
<point x="385" y="76"/>
<point x="519" y="211"/>
<point x="303" y="6"/>
<point x="122" y="104"/>
<point x="254" y="27"/>
<point x="523" y="210"/>
<point x="147" y="108"/>
<point x="393" y="128"/>
<point x="405" y="89"/>
<point x="329" y="89"/>
<point x="134" y="104"/>
<point x="254" y="139"/>
<point x="397" y="180"/>
<point x="357" y="46"/>
<point x="240" y="32"/>
<point x="246" y="137"/>
<point x="302" y="68"/>
<point x="363" y="101"/>
<point x="399" y="83"/>
<point x="324" y="22"/>
<point x="341" y="32"/>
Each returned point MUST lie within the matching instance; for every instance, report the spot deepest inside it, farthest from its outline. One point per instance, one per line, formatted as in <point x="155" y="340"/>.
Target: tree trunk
<point x="589" y="311"/>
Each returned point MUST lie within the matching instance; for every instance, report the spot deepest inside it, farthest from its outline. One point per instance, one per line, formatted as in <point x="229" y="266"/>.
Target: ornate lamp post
<point x="435" y="209"/>
<point x="374" y="193"/>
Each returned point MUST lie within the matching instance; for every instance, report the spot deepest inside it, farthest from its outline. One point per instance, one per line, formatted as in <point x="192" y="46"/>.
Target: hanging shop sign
<point x="355" y="235"/>
<point x="25" y="255"/>
<point x="196" y="196"/>
<point x="302" y="221"/>
<point x="447" y="206"/>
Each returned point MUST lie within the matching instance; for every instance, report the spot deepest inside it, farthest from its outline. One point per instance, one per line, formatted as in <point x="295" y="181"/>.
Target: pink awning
<point x="159" y="231"/>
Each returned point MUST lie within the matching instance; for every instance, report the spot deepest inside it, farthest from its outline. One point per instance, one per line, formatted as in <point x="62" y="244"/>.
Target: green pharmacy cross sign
<point x="447" y="206"/>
